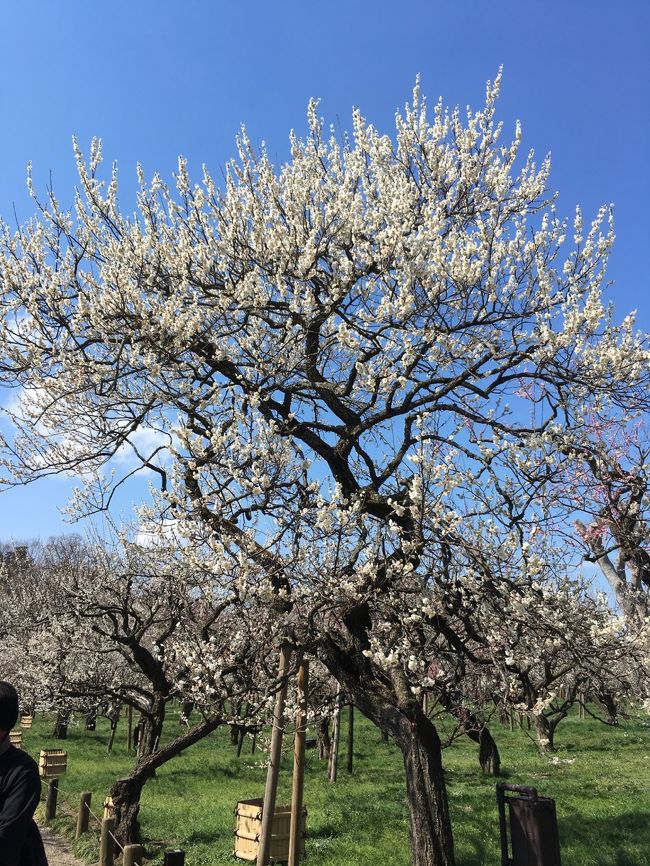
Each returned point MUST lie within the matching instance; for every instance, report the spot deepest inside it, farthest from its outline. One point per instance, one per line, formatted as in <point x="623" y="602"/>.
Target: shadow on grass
<point x="627" y="835"/>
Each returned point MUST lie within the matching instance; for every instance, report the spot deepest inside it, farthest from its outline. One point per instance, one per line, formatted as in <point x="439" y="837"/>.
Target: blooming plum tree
<point x="355" y="375"/>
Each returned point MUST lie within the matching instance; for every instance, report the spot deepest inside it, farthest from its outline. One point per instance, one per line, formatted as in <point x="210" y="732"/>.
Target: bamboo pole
<point x="84" y="814"/>
<point x="350" y="735"/>
<point x="296" y="826"/>
<point x="268" y="806"/>
<point x="336" y="736"/>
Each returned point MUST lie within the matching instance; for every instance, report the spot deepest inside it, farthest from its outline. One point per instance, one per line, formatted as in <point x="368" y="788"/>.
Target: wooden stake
<point x="268" y="806"/>
<point x="106" y="843"/>
<point x="296" y="826"/>
<point x="350" y="735"/>
<point x="132" y="855"/>
<point x="50" y="803"/>
<point x="84" y="814"/>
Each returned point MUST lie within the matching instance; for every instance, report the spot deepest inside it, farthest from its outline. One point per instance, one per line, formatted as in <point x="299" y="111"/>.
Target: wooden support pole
<point x="50" y="802"/>
<point x="84" y="814"/>
<point x="336" y="737"/>
<point x="133" y="855"/>
<point x="268" y="806"/>
<point x="350" y="735"/>
<point x="107" y="843"/>
<point x="296" y="826"/>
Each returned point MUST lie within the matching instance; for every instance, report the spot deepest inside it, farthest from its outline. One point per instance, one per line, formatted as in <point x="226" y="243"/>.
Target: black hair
<point x="8" y="706"/>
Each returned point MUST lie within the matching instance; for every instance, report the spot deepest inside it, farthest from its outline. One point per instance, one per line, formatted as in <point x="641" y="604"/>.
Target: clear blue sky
<point x="155" y="79"/>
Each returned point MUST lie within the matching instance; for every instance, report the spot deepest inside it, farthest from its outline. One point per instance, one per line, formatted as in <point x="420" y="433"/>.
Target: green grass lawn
<point x="603" y="796"/>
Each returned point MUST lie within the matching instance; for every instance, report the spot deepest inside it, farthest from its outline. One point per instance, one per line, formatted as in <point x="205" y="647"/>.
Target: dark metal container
<point x="534" y="838"/>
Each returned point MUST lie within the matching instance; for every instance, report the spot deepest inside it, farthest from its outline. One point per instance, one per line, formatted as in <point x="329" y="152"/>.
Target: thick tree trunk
<point x="396" y="711"/>
<point x="430" y="827"/>
<point x="544" y="731"/>
<point x="610" y="705"/>
<point x="126" y="792"/>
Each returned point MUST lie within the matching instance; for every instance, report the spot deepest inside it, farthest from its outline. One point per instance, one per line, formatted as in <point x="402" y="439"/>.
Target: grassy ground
<point x="601" y="785"/>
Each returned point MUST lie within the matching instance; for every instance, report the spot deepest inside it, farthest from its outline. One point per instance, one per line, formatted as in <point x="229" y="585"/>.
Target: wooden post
<point x="132" y="855"/>
<point x="268" y="806"/>
<point x="84" y="814"/>
<point x="336" y="736"/>
<point x="296" y="826"/>
<point x="50" y="803"/>
<point x="350" y="735"/>
<point x="253" y="741"/>
<point x="129" y="730"/>
<point x="107" y="843"/>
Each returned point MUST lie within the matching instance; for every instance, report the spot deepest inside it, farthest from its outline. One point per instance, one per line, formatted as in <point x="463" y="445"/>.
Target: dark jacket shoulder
<point x="14" y="757"/>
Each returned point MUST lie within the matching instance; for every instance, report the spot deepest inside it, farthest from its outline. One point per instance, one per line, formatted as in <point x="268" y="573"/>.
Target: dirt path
<point x="58" y="850"/>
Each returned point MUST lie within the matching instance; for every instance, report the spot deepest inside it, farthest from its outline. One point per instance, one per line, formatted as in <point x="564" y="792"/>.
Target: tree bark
<point x="126" y="792"/>
<point x="391" y="705"/>
<point x="610" y="705"/>
<point x="545" y="732"/>
<point x="430" y="827"/>
<point x="150" y="726"/>
<point x="60" y="731"/>
<point x="324" y="742"/>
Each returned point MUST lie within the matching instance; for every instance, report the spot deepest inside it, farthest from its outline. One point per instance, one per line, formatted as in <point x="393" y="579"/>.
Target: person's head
<point x="8" y="706"/>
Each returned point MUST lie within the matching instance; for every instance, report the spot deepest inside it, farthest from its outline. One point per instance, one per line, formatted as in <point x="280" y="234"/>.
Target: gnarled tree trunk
<point x="126" y="792"/>
<point x="430" y="827"/>
<point x="397" y="712"/>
